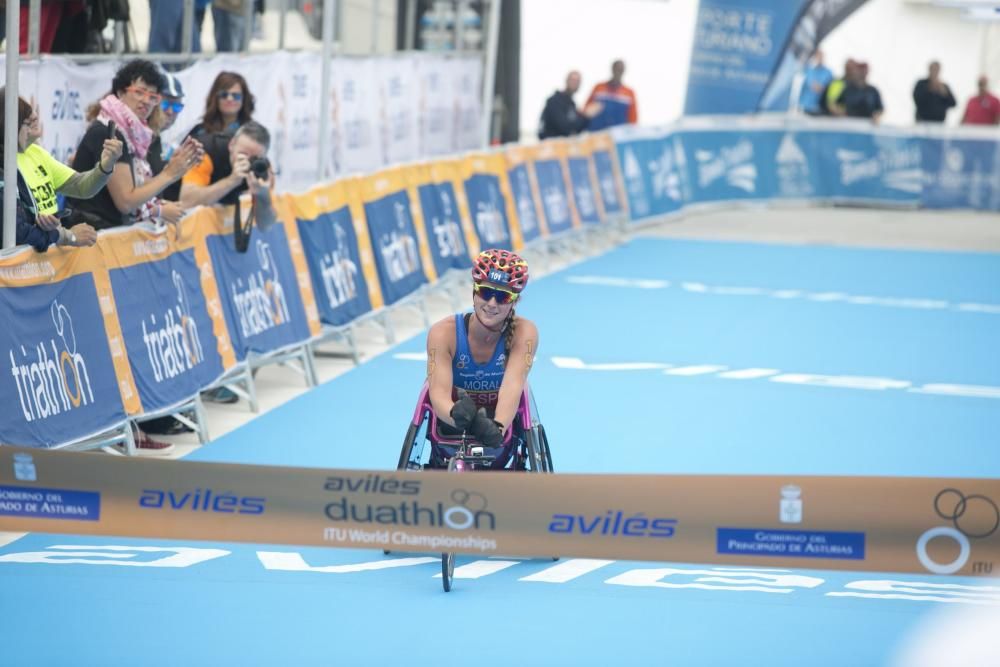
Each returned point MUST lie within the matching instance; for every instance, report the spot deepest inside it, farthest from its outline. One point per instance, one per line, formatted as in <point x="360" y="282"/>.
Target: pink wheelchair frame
<point x="536" y="458"/>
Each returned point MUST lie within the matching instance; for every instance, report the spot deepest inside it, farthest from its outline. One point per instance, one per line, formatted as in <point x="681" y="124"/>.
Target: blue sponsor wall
<point x="708" y="161"/>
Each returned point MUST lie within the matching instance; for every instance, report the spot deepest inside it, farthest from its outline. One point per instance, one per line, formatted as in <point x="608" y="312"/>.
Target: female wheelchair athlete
<point x="476" y="409"/>
<point x="525" y="448"/>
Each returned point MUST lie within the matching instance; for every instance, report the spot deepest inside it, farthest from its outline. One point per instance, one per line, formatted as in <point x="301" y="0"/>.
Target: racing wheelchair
<point x="525" y="448"/>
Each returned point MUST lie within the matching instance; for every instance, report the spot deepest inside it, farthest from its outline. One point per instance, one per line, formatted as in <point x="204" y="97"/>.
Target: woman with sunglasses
<point x="132" y="192"/>
<point x="478" y="362"/>
<point x="228" y="107"/>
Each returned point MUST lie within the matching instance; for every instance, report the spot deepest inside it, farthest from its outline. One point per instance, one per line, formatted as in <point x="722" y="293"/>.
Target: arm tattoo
<point x="528" y="358"/>
<point x="431" y="362"/>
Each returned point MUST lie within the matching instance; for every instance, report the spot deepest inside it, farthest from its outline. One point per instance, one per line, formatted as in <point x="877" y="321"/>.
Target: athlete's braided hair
<point x="508" y="335"/>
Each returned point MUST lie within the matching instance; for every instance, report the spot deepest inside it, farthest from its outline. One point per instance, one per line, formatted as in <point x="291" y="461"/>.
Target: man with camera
<point x="233" y="164"/>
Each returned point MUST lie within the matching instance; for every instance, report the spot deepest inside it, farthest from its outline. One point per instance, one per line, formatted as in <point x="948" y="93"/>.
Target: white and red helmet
<point x="500" y="267"/>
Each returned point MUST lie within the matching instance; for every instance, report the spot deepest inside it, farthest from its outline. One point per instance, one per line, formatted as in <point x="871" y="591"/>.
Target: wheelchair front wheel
<point x="447" y="570"/>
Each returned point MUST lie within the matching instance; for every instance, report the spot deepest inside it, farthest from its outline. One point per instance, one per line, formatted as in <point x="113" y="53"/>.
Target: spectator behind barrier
<point x="228" y="106"/>
<point x="817" y="77"/>
<point x="229" y="18"/>
<point x="171" y="104"/>
<point x="233" y="165"/>
<point x="861" y="99"/>
<point x="617" y="100"/>
<point x="560" y="117"/>
<point x="982" y="108"/>
<point x="166" y="25"/>
<point x="40" y="177"/>
<point x="132" y="191"/>
<point x="932" y="96"/>
<point x="828" y="102"/>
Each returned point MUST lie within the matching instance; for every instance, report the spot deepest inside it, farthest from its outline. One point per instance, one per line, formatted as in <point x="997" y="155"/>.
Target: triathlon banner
<point x="66" y="375"/>
<point x="582" y="184"/>
<point x="897" y="524"/>
<point x="607" y="173"/>
<point x="746" y="54"/>
<point x="558" y="206"/>
<point x="524" y="192"/>
<point x="399" y="250"/>
<point x="256" y="295"/>
<point x="338" y="253"/>
<point x="446" y="223"/>
<point x="487" y="191"/>
<point x="164" y="318"/>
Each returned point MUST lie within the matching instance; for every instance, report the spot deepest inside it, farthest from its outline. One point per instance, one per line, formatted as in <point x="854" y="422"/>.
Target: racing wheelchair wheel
<point x="447" y="570"/>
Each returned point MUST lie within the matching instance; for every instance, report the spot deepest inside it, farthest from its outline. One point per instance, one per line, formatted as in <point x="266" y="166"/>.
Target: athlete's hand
<point x="486" y="430"/>
<point x="463" y="412"/>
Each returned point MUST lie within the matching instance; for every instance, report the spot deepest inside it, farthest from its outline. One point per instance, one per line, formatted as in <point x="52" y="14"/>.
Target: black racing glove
<point x="487" y="431"/>
<point x="463" y="413"/>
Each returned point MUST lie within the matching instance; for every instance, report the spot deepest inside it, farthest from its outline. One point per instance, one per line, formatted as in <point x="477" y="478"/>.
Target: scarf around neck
<point x="138" y="135"/>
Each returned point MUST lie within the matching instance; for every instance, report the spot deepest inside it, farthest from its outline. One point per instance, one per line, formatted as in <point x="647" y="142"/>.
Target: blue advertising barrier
<point x="445" y="237"/>
<point x="606" y="182"/>
<point x="555" y="198"/>
<point x="699" y="162"/>
<point x="584" y="194"/>
<point x="259" y="292"/>
<point x="960" y="173"/>
<point x="524" y="201"/>
<point x="488" y="210"/>
<point x="165" y="325"/>
<point x="394" y="238"/>
<point x="60" y="382"/>
<point x="332" y="254"/>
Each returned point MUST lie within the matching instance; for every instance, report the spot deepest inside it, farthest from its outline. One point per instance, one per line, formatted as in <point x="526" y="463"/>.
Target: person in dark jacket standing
<point x="932" y="96"/>
<point x="560" y="118"/>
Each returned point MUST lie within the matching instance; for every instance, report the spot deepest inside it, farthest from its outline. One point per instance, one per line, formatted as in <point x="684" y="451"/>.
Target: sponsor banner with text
<point x="164" y="318"/>
<point x="940" y="526"/>
<point x="490" y="203"/>
<point x="398" y="247"/>
<point x="66" y="374"/>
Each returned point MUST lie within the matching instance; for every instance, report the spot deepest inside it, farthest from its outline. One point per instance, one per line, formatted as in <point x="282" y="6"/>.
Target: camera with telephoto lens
<point x="260" y="167"/>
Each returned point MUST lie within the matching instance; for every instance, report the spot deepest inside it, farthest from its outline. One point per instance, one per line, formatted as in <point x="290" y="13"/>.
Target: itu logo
<point x="51" y="376"/>
<point x="973" y="516"/>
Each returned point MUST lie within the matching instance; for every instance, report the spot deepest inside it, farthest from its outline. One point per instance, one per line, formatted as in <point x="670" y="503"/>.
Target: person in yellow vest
<point x="836" y="88"/>
<point x="45" y="177"/>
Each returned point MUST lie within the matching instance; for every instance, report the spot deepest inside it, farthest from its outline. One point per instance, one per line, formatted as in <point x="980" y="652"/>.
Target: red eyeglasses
<point x="502" y="296"/>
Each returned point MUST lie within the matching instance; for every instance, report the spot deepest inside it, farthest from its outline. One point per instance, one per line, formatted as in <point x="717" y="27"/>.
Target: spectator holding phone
<point x="40" y="177"/>
<point x="131" y="194"/>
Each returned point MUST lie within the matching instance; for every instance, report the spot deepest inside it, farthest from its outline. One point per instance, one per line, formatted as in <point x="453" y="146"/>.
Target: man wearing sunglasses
<point x="478" y="362"/>
<point x="171" y="105"/>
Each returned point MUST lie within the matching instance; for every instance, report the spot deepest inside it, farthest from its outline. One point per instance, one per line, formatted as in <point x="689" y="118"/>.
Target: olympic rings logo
<point x="953" y="505"/>
<point x="461" y="517"/>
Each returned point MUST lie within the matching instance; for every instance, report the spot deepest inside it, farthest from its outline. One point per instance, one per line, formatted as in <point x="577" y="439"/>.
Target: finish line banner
<point x="899" y="524"/>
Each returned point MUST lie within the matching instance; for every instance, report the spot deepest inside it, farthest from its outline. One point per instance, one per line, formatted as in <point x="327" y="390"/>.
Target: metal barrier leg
<point x="309" y="365"/>
<point x="390" y="333"/>
<point x="199" y="416"/>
